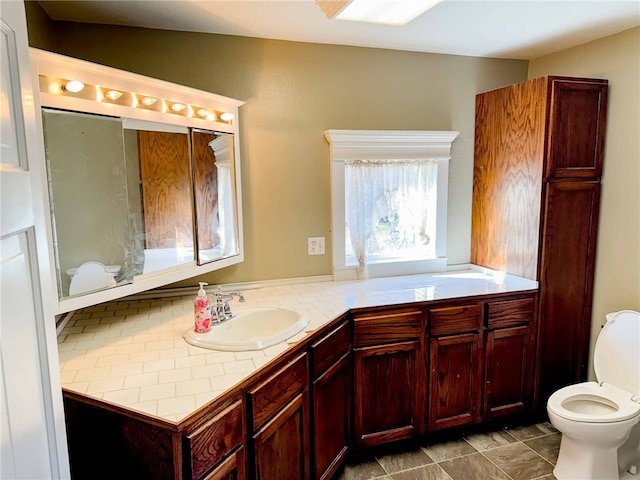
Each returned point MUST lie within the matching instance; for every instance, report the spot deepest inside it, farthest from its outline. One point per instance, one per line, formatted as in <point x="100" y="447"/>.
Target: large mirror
<point x="122" y="195"/>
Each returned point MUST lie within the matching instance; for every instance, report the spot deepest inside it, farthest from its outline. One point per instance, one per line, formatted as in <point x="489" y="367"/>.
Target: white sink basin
<point x="252" y="328"/>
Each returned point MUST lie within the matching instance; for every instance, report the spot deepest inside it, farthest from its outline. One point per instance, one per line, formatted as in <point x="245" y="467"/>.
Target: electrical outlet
<point x="316" y="245"/>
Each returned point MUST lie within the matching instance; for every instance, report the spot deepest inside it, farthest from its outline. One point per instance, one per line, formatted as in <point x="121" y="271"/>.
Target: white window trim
<point x="347" y="145"/>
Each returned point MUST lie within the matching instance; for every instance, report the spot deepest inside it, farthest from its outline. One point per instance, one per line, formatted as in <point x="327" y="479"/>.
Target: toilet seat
<point x="591" y="402"/>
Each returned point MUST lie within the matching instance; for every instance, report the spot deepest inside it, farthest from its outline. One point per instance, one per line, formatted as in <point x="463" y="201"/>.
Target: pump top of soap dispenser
<point x="202" y="292"/>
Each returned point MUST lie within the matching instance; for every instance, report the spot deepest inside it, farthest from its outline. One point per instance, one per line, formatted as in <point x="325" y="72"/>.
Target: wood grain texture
<point x="281" y="447"/>
<point x="387" y="327"/>
<point x="205" y="180"/>
<point x="577" y="127"/>
<point x="459" y="319"/>
<point x="232" y="468"/>
<point x="216" y="439"/>
<point x="568" y="261"/>
<point x="507" y="177"/>
<point x="271" y="395"/>
<point x="331" y="418"/>
<point x="511" y="312"/>
<point x="389" y="392"/>
<point x="330" y="349"/>
<point x="167" y="200"/>
<point x="508" y="376"/>
<point x="455" y="380"/>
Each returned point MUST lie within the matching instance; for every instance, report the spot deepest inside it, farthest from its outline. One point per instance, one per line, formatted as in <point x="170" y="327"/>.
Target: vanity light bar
<point x="78" y="89"/>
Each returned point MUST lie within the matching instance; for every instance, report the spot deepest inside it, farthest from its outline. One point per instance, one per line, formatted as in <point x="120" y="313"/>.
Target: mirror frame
<point x="54" y="66"/>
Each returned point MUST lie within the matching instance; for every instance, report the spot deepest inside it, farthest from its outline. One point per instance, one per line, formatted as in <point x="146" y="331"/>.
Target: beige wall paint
<point x="293" y="92"/>
<point x="616" y="58"/>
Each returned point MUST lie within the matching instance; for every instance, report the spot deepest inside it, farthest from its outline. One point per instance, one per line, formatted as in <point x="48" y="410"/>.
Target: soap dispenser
<point x="202" y="310"/>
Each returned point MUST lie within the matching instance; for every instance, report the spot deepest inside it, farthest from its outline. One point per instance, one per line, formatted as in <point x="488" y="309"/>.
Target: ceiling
<point x="487" y="28"/>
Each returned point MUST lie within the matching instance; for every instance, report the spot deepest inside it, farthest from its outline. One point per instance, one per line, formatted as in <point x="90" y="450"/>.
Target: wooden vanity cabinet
<point x="331" y="393"/>
<point x="389" y="375"/>
<point x="537" y="166"/>
<point x="279" y="419"/>
<point x="455" y="362"/>
<point x="232" y="468"/>
<point x="509" y="355"/>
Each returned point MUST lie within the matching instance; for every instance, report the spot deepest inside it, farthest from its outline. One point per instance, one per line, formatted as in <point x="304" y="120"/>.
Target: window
<point x="389" y="202"/>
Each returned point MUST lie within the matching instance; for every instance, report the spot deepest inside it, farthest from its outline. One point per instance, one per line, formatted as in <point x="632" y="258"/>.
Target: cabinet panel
<point x="577" y="127"/>
<point x="389" y="391"/>
<point x="387" y="327"/>
<point x="568" y="259"/>
<point x="465" y="318"/>
<point x="272" y="394"/>
<point x="508" y="381"/>
<point x="210" y="443"/>
<point x="281" y="447"/>
<point x="509" y="313"/>
<point x="332" y="397"/>
<point x="330" y="349"/>
<point x="233" y="468"/>
<point x="455" y="380"/>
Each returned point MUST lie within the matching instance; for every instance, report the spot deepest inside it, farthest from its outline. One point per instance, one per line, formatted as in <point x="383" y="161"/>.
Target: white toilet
<point x="599" y="421"/>
<point x="92" y="276"/>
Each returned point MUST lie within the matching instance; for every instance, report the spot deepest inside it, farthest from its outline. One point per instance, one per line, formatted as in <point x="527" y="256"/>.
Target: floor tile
<point x="475" y="467"/>
<point x="486" y="441"/>
<point x="427" y="472"/>
<point x="519" y="461"/>
<point x="532" y="431"/>
<point x="362" y="467"/>
<point x="447" y="450"/>
<point x="401" y="457"/>
<point x="547" y="446"/>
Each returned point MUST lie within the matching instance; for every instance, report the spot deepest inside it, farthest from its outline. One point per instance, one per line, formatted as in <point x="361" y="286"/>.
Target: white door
<point x="32" y="416"/>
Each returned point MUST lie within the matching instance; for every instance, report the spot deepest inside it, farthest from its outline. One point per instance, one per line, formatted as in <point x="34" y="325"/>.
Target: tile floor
<point x="522" y="453"/>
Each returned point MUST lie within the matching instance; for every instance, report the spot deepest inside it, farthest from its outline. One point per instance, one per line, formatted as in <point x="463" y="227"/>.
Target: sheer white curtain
<point x="390" y="207"/>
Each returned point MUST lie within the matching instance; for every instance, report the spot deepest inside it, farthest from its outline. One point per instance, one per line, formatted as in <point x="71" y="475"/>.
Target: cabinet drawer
<point x="450" y="320"/>
<point x="510" y="312"/>
<point x="330" y="349"/>
<point x="211" y="442"/>
<point x="272" y="394"/>
<point x="380" y="328"/>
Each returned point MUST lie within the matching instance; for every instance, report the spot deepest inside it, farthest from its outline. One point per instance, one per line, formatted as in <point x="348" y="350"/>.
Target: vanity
<point x="379" y="361"/>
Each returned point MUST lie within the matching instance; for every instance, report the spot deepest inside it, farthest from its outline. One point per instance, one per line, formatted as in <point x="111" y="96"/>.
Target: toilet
<point x="92" y="276"/>
<point x="600" y="421"/>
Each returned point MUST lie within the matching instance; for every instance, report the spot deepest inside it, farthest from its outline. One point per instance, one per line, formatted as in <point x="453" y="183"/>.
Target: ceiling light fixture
<point x="113" y="94"/>
<point x="178" y="107"/>
<point x="388" y="12"/>
<point x="74" y="86"/>
<point x="226" y="117"/>
<point x="148" y="101"/>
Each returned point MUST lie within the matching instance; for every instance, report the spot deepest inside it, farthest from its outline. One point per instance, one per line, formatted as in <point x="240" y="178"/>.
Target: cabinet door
<point x="389" y="392"/>
<point x="231" y="469"/>
<point x="566" y="276"/>
<point x="282" y="445"/>
<point x="508" y="378"/>
<point x="455" y="380"/>
<point x="576" y="127"/>
<point x="331" y="418"/>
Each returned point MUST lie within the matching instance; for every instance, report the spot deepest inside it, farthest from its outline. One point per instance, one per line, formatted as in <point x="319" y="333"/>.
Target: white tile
<point x="276" y="349"/>
<point x="141" y="379"/>
<point x="130" y="348"/>
<point x="90" y="344"/>
<point x="122" y="397"/>
<point x="146" y="337"/>
<point x="176" y="375"/>
<point x="89" y="374"/>
<point x="67" y="376"/>
<point x="143" y="356"/>
<point x="157" y="365"/>
<point x="159" y="345"/>
<point x="239" y="366"/>
<point x="225" y="382"/>
<point x="203" y="371"/>
<point x="220" y="357"/>
<point x="156" y="392"/>
<point x="249" y="355"/>
<point x="99" y="352"/>
<point x="191" y="361"/>
<point x="204" y="398"/>
<point x="150" y="407"/>
<point x="105" y="385"/>
<point x="260" y="362"/>
<point x="79" y="363"/>
<point x="174" y="352"/>
<point x="180" y="404"/>
<point x="126" y="369"/>
<point x="80" y="387"/>
<point x="109" y="360"/>
<point x="191" y="387"/>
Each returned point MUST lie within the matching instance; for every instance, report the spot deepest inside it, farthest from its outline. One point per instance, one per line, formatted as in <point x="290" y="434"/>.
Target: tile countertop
<point x="131" y="352"/>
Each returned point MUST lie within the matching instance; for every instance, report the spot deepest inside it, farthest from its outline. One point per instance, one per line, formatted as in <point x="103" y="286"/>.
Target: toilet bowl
<point x="91" y="276"/>
<point x="599" y="419"/>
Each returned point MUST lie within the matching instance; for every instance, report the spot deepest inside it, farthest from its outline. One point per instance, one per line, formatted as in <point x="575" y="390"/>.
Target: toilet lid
<point x="616" y="358"/>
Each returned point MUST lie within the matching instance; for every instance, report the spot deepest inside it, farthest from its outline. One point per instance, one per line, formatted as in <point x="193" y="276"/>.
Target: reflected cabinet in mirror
<point x="140" y="197"/>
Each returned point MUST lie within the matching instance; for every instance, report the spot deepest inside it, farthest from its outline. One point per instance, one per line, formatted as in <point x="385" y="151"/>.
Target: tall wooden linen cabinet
<point x="536" y="189"/>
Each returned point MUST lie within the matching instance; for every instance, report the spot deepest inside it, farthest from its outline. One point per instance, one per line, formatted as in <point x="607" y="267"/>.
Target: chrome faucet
<point x="222" y="311"/>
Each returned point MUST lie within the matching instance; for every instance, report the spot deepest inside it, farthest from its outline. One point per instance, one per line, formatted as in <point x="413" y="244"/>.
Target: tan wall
<point x="293" y="92"/>
<point x="616" y="58"/>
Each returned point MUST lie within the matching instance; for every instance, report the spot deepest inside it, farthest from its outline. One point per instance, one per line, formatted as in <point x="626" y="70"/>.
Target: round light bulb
<point x="227" y="117"/>
<point x="148" y="101"/>
<point x="211" y="117"/>
<point x="113" y="94"/>
<point x="178" y="107"/>
<point x="74" y="86"/>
